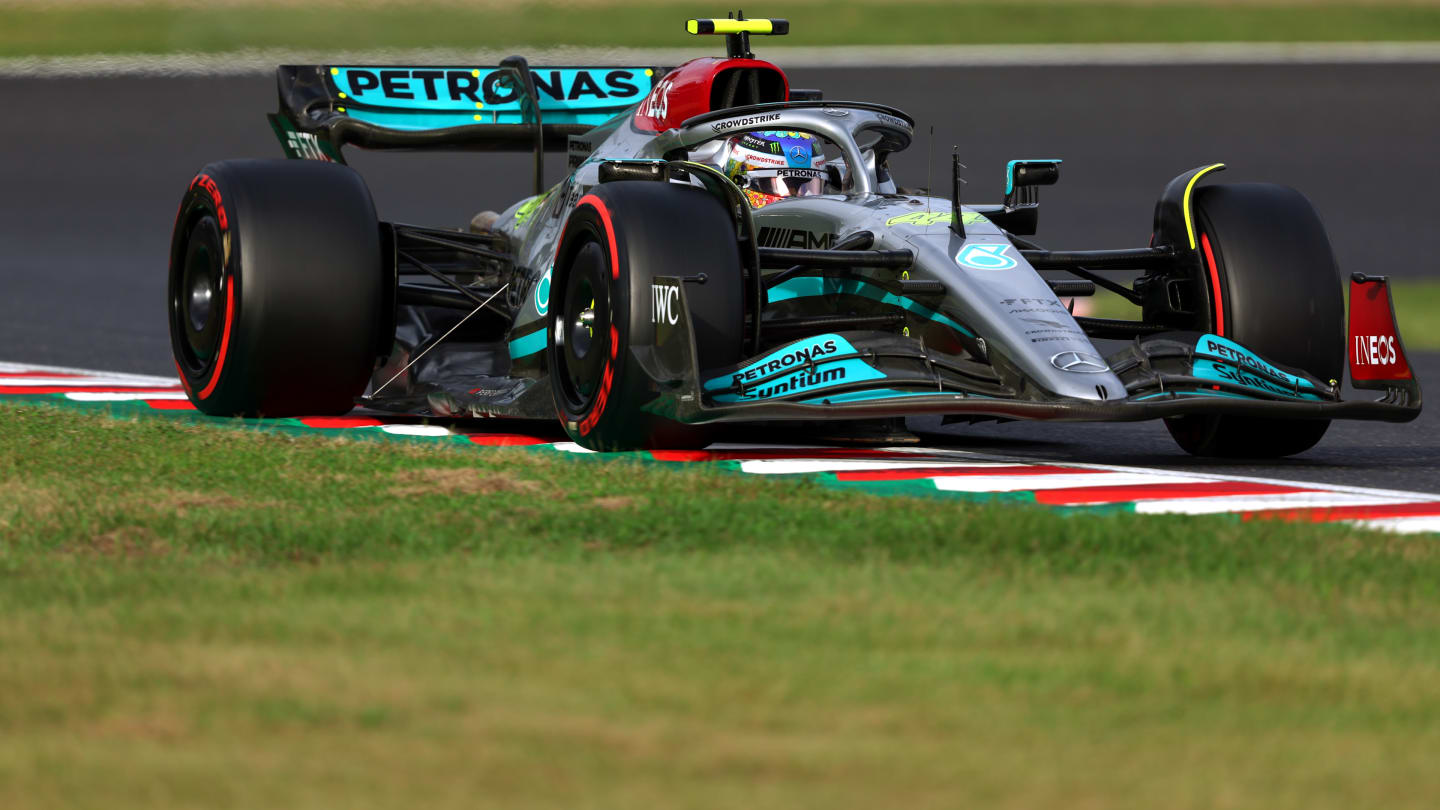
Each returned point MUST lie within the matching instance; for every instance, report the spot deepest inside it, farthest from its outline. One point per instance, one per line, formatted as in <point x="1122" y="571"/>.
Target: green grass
<point x="37" y="29"/>
<point x="192" y="616"/>
<point x="1417" y="310"/>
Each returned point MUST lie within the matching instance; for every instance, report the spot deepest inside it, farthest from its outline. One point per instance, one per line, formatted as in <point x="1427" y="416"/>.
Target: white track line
<point x="128" y="396"/>
<point x="1404" y="525"/>
<point x="800" y="464"/>
<point x="21" y="368"/>
<point x="1317" y="499"/>
<point x="1035" y="483"/>
<point x="416" y="430"/>
<point x="254" y="62"/>
<point x="79" y="382"/>
<point x="1176" y="474"/>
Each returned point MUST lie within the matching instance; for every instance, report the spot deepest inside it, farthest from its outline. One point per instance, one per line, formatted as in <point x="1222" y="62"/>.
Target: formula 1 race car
<point x="726" y="248"/>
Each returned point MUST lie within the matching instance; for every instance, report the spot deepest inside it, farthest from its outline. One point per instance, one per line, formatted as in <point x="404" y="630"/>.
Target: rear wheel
<point x="1273" y="287"/>
<point x="604" y="308"/>
<point x="277" y="286"/>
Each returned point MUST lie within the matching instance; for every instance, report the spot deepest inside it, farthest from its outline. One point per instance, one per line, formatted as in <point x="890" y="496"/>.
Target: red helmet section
<point x="699" y="86"/>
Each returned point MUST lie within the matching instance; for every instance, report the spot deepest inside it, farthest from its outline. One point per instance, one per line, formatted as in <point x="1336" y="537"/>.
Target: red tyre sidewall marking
<point x="1214" y="284"/>
<point x="205" y="182"/>
<point x="224" y="338"/>
<point x="184" y="383"/>
<point x="599" y="205"/>
<point x="593" y="418"/>
<point x="608" y="376"/>
<point x="1215" y="287"/>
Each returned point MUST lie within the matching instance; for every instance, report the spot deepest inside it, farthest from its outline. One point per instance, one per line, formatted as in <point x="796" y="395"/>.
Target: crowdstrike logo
<point x="739" y="123"/>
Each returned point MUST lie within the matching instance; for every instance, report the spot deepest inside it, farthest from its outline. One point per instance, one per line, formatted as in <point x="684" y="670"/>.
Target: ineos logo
<point x="1375" y="350"/>
<point x="665" y="301"/>
<point x="1079" y="362"/>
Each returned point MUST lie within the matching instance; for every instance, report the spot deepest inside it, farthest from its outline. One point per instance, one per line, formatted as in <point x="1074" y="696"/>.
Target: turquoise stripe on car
<point x="527" y="345"/>
<point x="877" y="393"/>
<point x="812" y="286"/>
<point x="1221" y="394"/>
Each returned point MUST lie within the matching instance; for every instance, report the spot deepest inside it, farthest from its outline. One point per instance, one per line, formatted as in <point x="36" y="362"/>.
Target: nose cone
<point x="1014" y="310"/>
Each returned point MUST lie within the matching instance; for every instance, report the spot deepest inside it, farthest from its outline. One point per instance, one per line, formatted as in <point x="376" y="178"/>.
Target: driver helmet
<point x="772" y="165"/>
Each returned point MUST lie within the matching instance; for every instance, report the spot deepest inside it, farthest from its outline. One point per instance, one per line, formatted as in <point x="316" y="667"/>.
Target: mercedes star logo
<point x="1079" y="362"/>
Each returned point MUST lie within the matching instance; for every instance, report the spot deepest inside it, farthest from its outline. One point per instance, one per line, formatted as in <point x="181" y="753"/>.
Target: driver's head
<point x="772" y="165"/>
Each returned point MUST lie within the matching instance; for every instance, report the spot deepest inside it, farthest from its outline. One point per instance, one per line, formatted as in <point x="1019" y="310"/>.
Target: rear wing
<point x="509" y="107"/>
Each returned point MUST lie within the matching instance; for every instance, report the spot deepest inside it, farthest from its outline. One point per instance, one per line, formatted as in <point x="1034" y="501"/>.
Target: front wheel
<point x="605" y="306"/>
<point x="1273" y="287"/>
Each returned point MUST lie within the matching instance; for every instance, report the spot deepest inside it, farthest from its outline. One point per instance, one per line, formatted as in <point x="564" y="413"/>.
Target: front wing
<point x="859" y="375"/>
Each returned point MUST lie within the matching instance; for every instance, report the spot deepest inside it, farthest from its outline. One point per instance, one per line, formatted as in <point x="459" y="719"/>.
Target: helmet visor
<point x="786" y="182"/>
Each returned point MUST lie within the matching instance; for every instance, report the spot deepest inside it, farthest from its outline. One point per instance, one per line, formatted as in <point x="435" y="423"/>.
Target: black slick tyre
<point x="277" y="286"/>
<point x="1274" y="287"/>
<point x="602" y="308"/>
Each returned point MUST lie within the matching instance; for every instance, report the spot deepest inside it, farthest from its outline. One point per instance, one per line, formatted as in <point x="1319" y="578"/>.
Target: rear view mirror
<point x="1022" y="173"/>
<point x="1022" y="199"/>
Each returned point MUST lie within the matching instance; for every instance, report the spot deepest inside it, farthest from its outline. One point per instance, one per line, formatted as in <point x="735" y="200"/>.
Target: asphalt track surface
<point x="91" y="171"/>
